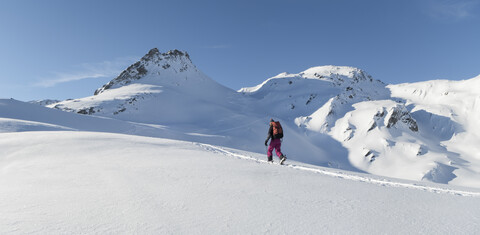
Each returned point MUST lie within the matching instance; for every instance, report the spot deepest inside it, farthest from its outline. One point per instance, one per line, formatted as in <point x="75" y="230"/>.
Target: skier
<point x="275" y="132"/>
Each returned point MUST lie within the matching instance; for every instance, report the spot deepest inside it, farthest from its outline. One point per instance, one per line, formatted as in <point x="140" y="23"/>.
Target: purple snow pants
<point x="275" y="144"/>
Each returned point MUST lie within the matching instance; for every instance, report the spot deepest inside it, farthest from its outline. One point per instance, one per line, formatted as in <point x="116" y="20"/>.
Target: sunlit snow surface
<point x="451" y="113"/>
<point x="61" y="182"/>
<point x="334" y="116"/>
<point x="165" y="149"/>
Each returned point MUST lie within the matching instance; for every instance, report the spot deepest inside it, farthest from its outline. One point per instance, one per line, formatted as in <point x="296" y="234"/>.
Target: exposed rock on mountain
<point x="170" y="62"/>
<point x="44" y="102"/>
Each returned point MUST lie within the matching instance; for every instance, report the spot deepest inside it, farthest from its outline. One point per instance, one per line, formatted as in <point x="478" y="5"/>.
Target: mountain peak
<point x="160" y="65"/>
<point x="338" y="74"/>
<point x="154" y="52"/>
<point x="333" y="69"/>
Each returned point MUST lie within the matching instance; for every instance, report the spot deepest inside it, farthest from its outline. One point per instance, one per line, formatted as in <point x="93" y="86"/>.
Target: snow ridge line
<point x="349" y="176"/>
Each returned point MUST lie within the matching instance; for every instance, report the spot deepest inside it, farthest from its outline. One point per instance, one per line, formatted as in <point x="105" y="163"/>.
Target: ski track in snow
<point x="346" y="176"/>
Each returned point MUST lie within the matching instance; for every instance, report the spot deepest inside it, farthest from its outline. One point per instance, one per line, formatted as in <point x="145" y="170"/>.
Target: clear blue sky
<point x="66" y="49"/>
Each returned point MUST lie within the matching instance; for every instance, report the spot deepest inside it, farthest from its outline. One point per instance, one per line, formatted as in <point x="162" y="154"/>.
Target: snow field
<point x="452" y="109"/>
<point x="89" y="182"/>
<point x="372" y="179"/>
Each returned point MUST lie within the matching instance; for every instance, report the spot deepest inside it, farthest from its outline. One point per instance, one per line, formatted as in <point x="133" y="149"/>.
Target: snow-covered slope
<point x="402" y="135"/>
<point x="333" y="116"/>
<point x="239" y="131"/>
<point x="83" y="183"/>
<point x="44" y="102"/>
<point x="160" y="88"/>
<point x="167" y="89"/>
<point x="450" y="111"/>
<point x="166" y="149"/>
<point x="17" y="116"/>
<point x="334" y="88"/>
<point x="384" y="139"/>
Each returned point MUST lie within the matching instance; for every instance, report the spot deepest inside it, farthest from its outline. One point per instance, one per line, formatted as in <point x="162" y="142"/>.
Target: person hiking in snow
<point x="275" y="132"/>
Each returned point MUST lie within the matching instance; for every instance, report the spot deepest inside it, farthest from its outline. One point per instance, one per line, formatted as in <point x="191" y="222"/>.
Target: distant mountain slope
<point x="450" y="111"/>
<point x="44" y="102"/>
<point x="401" y="135"/>
<point x="160" y="88"/>
<point x="17" y="116"/>
<point x="335" y="88"/>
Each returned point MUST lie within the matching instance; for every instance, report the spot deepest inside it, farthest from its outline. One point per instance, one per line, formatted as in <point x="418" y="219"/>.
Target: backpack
<point x="277" y="130"/>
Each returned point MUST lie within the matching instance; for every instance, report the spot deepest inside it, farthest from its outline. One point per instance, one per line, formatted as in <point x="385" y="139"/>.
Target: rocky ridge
<point x="153" y="60"/>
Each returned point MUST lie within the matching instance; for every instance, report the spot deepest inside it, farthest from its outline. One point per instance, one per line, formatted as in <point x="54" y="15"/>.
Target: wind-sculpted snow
<point x="450" y="111"/>
<point x="395" y="148"/>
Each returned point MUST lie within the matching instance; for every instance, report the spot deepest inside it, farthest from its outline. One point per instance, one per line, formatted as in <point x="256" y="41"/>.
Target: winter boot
<point x="282" y="159"/>
<point x="270" y="159"/>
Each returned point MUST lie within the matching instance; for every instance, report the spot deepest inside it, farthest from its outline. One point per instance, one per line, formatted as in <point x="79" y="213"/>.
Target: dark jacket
<point x="270" y="133"/>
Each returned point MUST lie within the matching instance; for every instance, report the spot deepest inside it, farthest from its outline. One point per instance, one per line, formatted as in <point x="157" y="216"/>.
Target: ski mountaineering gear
<point x="275" y="132"/>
